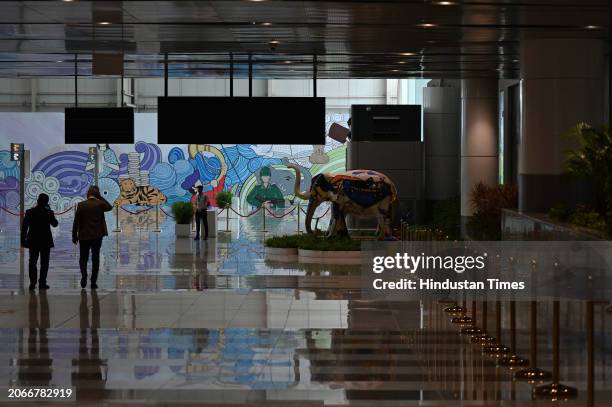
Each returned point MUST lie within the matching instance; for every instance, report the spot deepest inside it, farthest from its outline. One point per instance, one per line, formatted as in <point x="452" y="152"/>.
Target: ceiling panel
<point x="351" y="38"/>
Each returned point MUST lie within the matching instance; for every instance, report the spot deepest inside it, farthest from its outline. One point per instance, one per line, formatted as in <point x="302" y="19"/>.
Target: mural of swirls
<point x="9" y="192"/>
<point x="208" y="167"/>
<point x="144" y="173"/>
<point x="242" y="161"/>
<point x="39" y="183"/>
<point x="151" y="156"/>
<point x="168" y="178"/>
<point x="8" y="168"/>
<point x="175" y="154"/>
<point x="109" y="189"/>
<point x="69" y="168"/>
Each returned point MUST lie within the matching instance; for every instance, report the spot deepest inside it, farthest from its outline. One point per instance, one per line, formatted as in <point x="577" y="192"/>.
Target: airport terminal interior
<point x="457" y="121"/>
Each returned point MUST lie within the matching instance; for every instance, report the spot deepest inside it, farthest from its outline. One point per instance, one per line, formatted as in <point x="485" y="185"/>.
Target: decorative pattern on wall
<point x="146" y="173"/>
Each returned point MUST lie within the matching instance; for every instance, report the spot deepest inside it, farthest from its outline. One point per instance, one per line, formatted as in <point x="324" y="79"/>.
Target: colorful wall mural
<point x="147" y="173"/>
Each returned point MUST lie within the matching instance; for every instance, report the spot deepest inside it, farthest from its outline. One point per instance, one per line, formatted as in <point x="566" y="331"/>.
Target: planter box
<point x="211" y="216"/>
<point x="182" y="245"/>
<point x="182" y="230"/>
<point x="531" y="226"/>
<point x="329" y="257"/>
<point x="281" y="254"/>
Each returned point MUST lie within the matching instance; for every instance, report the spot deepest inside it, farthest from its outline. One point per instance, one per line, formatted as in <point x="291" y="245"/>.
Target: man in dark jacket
<point x="36" y="235"/>
<point x="88" y="229"/>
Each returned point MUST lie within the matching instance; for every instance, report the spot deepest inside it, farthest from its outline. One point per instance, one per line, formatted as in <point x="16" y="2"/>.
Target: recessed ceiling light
<point x="446" y="3"/>
<point x="275" y="42"/>
<point x="104" y="23"/>
<point x="427" y="25"/>
<point x="287" y="62"/>
<point x="395" y="70"/>
<point x="407" y="54"/>
<point x="401" y="62"/>
<point x="59" y="61"/>
<point x="592" y="27"/>
<point x="266" y="24"/>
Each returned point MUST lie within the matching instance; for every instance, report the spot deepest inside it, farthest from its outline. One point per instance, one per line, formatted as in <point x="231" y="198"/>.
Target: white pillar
<point x="479" y="137"/>
<point x="562" y="85"/>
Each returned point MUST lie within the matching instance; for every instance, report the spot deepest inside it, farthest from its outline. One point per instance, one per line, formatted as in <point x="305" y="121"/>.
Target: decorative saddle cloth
<point x="365" y="188"/>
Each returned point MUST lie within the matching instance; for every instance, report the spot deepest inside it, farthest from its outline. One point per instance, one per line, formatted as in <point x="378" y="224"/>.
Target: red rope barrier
<point x="245" y="216"/>
<point x="166" y="213"/>
<point x="281" y="216"/>
<point x="9" y="212"/>
<point x="137" y="212"/>
<point x="66" y="211"/>
<point x="316" y="218"/>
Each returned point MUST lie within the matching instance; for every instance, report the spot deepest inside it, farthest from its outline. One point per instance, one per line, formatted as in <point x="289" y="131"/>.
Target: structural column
<point x="442" y="127"/>
<point x="479" y="137"/>
<point x="562" y="85"/>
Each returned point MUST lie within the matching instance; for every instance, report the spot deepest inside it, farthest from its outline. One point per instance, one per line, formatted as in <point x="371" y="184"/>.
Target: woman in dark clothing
<point x="36" y="236"/>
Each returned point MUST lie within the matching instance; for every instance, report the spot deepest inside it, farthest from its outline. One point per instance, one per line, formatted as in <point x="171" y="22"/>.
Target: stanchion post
<point x="298" y="219"/>
<point x="555" y="390"/>
<point x="117" y="230"/>
<point x="157" y="229"/>
<point x="263" y="212"/>
<point x="227" y="217"/>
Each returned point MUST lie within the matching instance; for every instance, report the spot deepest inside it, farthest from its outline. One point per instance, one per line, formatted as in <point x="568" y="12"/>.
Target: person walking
<point x="36" y="236"/>
<point x="88" y="229"/>
<point x="201" y="205"/>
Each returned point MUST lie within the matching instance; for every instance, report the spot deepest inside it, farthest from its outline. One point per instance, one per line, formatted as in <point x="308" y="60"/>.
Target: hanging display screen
<point x="386" y="122"/>
<point x="241" y="120"/>
<point x="93" y="125"/>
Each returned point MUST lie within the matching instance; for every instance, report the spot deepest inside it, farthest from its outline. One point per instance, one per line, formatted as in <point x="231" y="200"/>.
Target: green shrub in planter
<point x="283" y="242"/>
<point x="313" y="242"/>
<point x="585" y="217"/>
<point x="182" y="212"/>
<point x="309" y="242"/>
<point x="224" y="199"/>
<point x="560" y="212"/>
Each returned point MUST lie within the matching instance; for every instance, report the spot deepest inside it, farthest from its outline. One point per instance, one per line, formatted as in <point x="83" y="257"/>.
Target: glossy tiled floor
<point x="225" y="326"/>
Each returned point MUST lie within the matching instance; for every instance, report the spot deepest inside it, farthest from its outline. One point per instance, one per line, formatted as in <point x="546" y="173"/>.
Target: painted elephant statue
<point x="363" y="193"/>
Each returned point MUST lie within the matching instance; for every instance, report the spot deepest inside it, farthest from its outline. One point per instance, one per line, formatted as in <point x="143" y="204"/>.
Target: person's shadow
<point x="34" y="365"/>
<point x="87" y="376"/>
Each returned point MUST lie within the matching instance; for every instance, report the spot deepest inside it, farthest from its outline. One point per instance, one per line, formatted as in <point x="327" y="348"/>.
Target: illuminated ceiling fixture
<point x="446" y="3"/>
<point x="104" y="23"/>
<point x="274" y="42"/>
<point x="592" y="27"/>
<point x="427" y="25"/>
<point x="407" y="54"/>
<point x="266" y="24"/>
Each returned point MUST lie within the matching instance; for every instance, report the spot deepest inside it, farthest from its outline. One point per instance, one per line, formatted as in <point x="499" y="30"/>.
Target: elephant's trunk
<point x="312" y="206"/>
<point x="298" y="178"/>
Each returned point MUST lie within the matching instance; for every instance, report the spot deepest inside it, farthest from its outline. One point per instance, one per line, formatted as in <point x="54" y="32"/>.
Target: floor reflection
<point x="225" y="325"/>
<point x="34" y="363"/>
<point x="89" y="371"/>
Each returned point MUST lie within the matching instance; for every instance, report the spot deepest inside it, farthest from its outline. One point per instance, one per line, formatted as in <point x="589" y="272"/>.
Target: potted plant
<point x="183" y="213"/>
<point x="224" y="199"/>
<point x="488" y="202"/>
